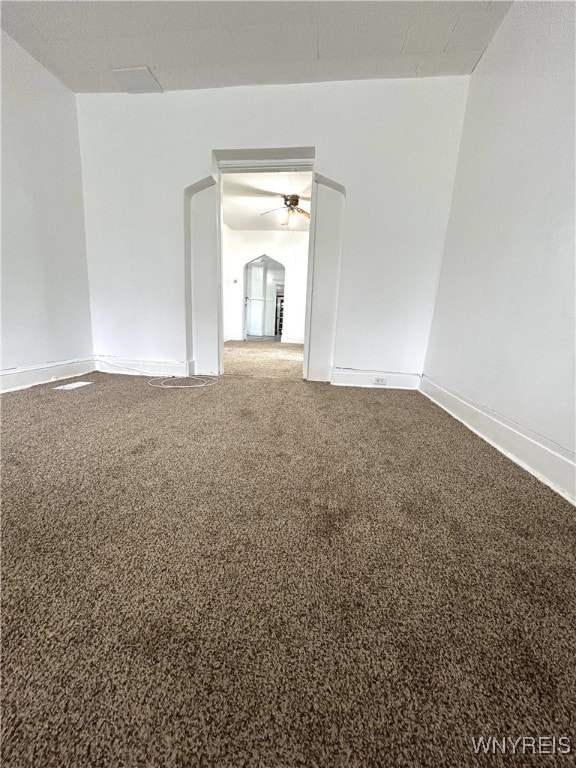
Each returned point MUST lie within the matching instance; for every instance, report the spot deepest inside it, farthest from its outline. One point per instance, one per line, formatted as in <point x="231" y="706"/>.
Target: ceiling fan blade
<point x="272" y="211"/>
<point x="303" y="212"/>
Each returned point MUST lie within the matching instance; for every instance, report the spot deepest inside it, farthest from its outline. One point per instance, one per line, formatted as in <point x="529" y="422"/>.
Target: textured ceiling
<point x="190" y="45"/>
<point x="246" y="198"/>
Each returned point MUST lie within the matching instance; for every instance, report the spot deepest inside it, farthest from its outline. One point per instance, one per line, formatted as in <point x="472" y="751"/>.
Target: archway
<point x="203" y="278"/>
<point x="264" y="280"/>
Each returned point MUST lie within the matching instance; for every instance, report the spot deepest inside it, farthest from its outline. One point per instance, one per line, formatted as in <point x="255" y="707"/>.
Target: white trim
<point x="352" y="377"/>
<point x="268" y="166"/>
<point x="220" y="275"/>
<point x="330" y="183"/>
<point x="130" y="366"/>
<point x="206" y="361"/>
<point x="297" y="159"/>
<point x="12" y="379"/>
<point x="313" y="371"/>
<point x="306" y="373"/>
<point x="554" y="466"/>
<point x="190" y="330"/>
<point x="255" y="160"/>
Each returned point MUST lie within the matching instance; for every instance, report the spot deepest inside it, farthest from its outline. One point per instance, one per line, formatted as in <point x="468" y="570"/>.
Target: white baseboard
<point x="13" y="379"/>
<point x="352" y="377"/>
<point x="136" y="367"/>
<point x="551" y="464"/>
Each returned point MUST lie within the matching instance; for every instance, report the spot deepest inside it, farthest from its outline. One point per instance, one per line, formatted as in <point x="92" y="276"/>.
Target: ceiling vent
<point x="137" y="80"/>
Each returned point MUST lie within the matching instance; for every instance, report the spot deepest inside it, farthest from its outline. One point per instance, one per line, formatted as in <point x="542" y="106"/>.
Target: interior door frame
<point x="204" y="317"/>
<point x="317" y="179"/>
<point x="295" y="159"/>
<point x="190" y="316"/>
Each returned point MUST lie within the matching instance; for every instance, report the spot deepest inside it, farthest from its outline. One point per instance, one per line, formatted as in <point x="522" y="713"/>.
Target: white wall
<point x="503" y="330"/>
<point x="392" y="144"/>
<point x="45" y="301"/>
<point x="288" y="248"/>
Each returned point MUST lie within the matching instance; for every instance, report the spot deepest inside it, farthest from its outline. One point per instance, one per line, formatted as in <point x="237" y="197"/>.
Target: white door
<point x="326" y="231"/>
<point x="256" y="299"/>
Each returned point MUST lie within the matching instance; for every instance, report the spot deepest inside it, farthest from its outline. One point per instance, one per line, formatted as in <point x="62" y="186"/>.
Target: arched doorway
<point x="264" y="280"/>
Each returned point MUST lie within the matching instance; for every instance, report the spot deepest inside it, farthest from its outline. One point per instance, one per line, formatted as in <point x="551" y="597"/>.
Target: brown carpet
<point x="273" y="574"/>
<point x="263" y="359"/>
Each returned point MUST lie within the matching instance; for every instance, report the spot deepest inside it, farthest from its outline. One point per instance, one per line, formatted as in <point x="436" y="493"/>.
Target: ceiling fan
<point x="291" y="206"/>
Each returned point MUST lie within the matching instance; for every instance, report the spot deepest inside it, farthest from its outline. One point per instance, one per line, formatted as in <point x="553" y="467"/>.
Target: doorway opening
<point x="264" y="280"/>
<point x="265" y="244"/>
<point x="204" y="239"/>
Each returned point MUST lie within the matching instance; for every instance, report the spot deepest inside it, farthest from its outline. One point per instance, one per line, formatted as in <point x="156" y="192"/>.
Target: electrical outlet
<point x="380" y="380"/>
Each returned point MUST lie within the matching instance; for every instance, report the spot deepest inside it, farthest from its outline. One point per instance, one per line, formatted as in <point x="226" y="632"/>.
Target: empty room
<point x="288" y="352"/>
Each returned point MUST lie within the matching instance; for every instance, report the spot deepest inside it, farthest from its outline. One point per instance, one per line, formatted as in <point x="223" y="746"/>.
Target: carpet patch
<point x="274" y="573"/>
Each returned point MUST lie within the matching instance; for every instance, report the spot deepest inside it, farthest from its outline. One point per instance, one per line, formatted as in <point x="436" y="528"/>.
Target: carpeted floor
<point x="274" y="573"/>
<point x="263" y="359"/>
